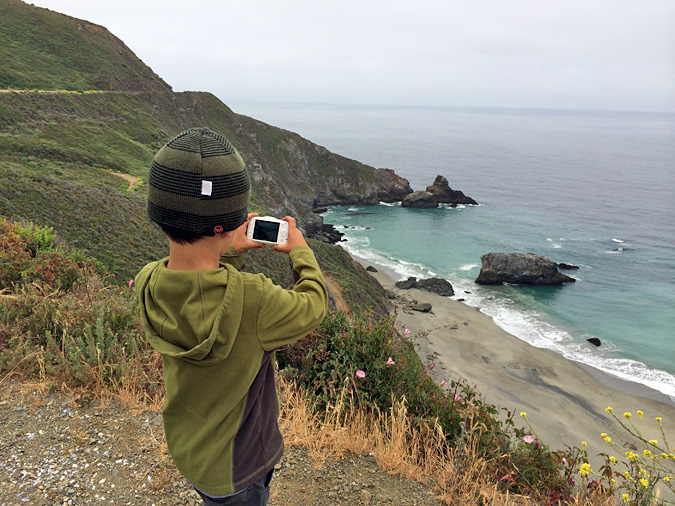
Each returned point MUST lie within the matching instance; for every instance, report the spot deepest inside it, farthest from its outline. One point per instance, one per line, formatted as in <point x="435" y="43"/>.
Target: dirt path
<point x="68" y="92"/>
<point x="57" y="449"/>
<point x="338" y="295"/>
<point x="133" y="181"/>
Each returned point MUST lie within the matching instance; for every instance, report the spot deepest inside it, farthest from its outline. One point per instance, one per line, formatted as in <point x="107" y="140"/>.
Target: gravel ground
<point x="61" y="450"/>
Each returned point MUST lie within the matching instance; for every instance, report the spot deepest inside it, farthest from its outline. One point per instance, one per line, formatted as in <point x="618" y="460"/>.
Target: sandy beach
<point x="565" y="402"/>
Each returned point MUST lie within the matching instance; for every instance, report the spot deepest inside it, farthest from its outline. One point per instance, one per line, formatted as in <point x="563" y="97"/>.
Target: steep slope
<point x="46" y="50"/>
<point x="64" y="135"/>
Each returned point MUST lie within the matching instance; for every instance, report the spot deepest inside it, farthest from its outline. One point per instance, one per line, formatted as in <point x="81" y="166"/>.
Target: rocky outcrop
<point x="445" y="195"/>
<point x="419" y="199"/>
<point x="434" y="285"/>
<point x="406" y="284"/>
<point x="422" y="307"/>
<point x="519" y="269"/>
<point x="393" y="188"/>
<point x="328" y="234"/>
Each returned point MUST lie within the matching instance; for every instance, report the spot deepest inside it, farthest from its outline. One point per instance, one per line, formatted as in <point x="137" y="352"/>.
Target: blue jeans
<point x="256" y="494"/>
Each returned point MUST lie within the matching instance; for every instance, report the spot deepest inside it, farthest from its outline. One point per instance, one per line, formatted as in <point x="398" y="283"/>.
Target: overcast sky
<point x="567" y="54"/>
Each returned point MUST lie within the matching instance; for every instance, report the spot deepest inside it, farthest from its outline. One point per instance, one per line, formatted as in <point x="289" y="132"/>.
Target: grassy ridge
<point x="47" y="50"/>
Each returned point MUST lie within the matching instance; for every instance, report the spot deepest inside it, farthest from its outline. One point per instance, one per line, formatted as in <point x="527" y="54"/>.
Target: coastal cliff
<point x="71" y="131"/>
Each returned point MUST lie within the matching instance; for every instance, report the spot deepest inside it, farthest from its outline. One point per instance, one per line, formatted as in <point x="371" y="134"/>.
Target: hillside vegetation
<point x="64" y="135"/>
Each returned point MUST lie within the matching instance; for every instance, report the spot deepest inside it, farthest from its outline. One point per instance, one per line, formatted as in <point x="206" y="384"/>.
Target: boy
<point x="215" y="327"/>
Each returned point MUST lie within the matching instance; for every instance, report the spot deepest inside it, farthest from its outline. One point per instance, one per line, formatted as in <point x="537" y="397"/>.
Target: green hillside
<point x="47" y="50"/>
<point x="67" y="142"/>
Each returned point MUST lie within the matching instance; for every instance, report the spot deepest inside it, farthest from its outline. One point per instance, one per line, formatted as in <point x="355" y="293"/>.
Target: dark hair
<point x="184" y="236"/>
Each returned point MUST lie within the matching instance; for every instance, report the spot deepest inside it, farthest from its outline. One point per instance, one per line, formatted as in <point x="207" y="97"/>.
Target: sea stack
<point x="445" y="195"/>
<point x="519" y="269"/>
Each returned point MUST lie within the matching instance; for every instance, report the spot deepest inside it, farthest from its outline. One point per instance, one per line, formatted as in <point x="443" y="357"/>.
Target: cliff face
<point x="107" y="110"/>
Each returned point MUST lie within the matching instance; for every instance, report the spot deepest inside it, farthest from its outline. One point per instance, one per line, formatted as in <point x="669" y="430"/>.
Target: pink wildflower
<point x="360" y="374"/>
<point x="529" y="439"/>
<point x="390" y="361"/>
<point x="456" y="397"/>
<point x="564" y="461"/>
<point x="344" y="334"/>
<point x="131" y="282"/>
<point x="443" y="383"/>
<point x="406" y="332"/>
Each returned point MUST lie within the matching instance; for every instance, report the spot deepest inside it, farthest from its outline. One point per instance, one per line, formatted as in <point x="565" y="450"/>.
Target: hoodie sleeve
<point x="284" y="316"/>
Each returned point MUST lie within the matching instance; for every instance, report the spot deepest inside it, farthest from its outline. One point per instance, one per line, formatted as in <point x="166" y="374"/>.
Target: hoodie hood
<point x="190" y="315"/>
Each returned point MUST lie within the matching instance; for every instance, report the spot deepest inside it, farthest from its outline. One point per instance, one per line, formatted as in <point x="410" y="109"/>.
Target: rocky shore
<point x="565" y="401"/>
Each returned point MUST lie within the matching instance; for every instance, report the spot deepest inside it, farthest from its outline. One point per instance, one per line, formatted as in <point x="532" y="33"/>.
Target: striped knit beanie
<point x="198" y="183"/>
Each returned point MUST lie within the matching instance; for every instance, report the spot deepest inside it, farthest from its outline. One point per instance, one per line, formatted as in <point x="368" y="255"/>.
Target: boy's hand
<point x="241" y="242"/>
<point x="295" y="237"/>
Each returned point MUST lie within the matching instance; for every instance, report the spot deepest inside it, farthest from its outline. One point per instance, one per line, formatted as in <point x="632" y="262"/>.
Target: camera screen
<point x="265" y="231"/>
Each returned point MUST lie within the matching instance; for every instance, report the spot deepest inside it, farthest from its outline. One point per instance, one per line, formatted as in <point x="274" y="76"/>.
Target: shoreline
<point x="615" y="383"/>
<point x="565" y="400"/>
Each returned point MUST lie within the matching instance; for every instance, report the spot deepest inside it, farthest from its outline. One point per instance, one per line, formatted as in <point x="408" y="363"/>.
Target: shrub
<point x="28" y="254"/>
<point x="382" y="367"/>
<point x="89" y="337"/>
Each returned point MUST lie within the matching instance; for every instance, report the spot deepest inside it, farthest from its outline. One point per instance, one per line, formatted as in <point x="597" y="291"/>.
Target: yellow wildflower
<point x="603" y="434"/>
<point x="626" y="475"/>
<point x="653" y="442"/>
<point x="608" y="439"/>
<point x="625" y="497"/>
<point x="583" y="443"/>
<point x="631" y="455"/>
<point x="643" y="472"/>
<point x="647" y="453"/>
<point x="664" y="456"/>
<point x="640" y="414"/>
<point x="667" y="478"/>
<point x="659" y="419"/>
<point x="613" y="460"/>
<point x="627" y="415"/>
<point x="523" y="414"/>
<point x="644" y="483"/>
<point x="608" y="409"/>
<point x="585" y="469"/>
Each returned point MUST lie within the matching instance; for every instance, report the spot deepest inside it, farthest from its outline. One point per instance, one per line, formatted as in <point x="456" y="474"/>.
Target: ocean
<point x="589" y="188"/>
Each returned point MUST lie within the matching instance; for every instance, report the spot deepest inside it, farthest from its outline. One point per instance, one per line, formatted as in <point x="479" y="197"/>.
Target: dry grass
<point x="458" y="475"/>
<point x="422" y="455"/>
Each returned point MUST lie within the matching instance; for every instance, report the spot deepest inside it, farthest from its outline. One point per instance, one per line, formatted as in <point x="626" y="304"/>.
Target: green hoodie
<point x="216" y="331"/>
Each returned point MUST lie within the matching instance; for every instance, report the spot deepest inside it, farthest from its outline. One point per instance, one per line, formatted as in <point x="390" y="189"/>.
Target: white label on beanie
<point x="206" y="187"/>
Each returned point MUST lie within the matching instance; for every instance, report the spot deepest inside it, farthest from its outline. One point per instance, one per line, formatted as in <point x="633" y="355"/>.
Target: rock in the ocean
<point x="594" y="340"/>
<point x="568" y="267"/>
<point x="519" y="269"/>
<point x="419" y="199"/>
<point x="445" y="195"/>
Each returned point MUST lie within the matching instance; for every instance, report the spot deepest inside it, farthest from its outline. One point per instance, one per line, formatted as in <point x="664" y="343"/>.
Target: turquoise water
<point x="593" y="189"/>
